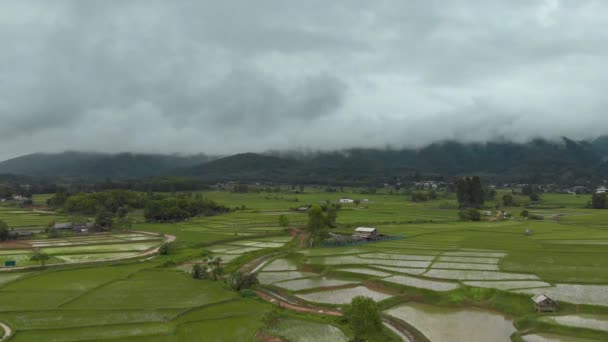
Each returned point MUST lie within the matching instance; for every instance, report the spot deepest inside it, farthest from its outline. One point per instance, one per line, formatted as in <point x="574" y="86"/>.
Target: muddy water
<point x="455" y="325"/>
<point x="554" y="338"/>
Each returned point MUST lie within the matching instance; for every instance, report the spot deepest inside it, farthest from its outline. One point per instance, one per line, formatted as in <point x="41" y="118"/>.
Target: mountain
<point x="539" y="161"/>
<point x="84" y="165"/>
<point x="245" y="166"/>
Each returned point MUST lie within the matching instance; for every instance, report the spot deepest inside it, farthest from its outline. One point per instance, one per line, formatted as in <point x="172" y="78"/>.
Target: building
<point x="580" y="190"/>
<point x="601" y="190"/>
<point x="346" y="200"/>
<point x="76" y="227"/>
<point x="63" y="226"/>
<point x="543" y="303"/>
<point x="20" y="234"/>
<point x="366" y="233"/>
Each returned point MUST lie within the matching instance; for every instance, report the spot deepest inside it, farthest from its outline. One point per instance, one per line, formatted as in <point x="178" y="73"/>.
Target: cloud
<point x="224" y="77"/>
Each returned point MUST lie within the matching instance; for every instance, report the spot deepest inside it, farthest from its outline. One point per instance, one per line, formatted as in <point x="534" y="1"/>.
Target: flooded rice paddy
<point x="343" y="296"/>
<point x="455" y="325"/>
<point x="311" y="283"/>
<point x="422" y="283"/>
<point x="596" y="322"/>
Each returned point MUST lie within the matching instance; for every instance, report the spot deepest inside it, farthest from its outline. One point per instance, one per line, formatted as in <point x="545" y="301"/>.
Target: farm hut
<point x="346" y="200"/>
<point x="529" y="232"/>
<point x="303" y="209"/>
<point x="366" y="233"/>
<point x="543" y="303"/>
<point x="63" y="226"/>
<point x="20" y="234"/>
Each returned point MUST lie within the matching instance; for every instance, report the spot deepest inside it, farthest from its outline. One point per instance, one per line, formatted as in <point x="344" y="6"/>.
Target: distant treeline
<point x="157" y="207"/>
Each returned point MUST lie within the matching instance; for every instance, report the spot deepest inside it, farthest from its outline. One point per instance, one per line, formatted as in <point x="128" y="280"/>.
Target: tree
<point x="469" y="192"/>
<point x="364" y="317"/>
<point x="104" y="219"/>
<point x="332" y="216"/>
<point x="477" y="194"/>
<point x="317" y="224"/>
<point x="4" y="231"/>
<point x="214" y="268"/>
<point x="534" y="197"/>
<point x="241" y="281"/>
<point x="524" y="214"/>
<point x="41" y="257"/>
<point x="419" y="196"/>
<point x="283" y="221"/>
<point x="198" y="271"/>
<point x="599" y="201"/>
<point x="507" y="200"/>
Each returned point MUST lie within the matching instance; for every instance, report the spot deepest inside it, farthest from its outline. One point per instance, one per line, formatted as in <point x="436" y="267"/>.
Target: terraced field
<point x="442" y="273"/>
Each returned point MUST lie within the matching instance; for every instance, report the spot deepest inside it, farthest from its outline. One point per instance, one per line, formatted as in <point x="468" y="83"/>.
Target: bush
<point x="469" y="215"/>
<point x="248" y="293"/>
<point x="242" y="281"/>
<point x="536" y="217"/>
<point x="165" y="248"/>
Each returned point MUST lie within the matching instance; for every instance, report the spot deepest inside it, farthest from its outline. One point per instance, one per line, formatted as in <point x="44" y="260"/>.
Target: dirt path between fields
<point x="151" y="252"/>
<point x="8" y="332"/>
<point x="282" y="302"/>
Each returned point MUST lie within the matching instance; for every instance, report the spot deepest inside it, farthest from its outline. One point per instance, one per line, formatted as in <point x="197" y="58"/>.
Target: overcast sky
<point x="234" y="76"/>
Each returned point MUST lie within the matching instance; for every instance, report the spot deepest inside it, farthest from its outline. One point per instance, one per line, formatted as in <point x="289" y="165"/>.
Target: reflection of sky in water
<point x="455" y="325"/>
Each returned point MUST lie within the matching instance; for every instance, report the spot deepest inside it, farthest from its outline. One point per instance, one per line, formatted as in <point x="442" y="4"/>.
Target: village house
<point x="365" y="233"/>
<point x="601" y="190"/>
<point x="543" y="303"/>
<point x="346" y="200"/>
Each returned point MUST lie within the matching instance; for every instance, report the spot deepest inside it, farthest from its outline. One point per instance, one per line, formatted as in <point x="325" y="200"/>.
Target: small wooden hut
<point x="365" y="233"/>
<point x="542" y="303"/>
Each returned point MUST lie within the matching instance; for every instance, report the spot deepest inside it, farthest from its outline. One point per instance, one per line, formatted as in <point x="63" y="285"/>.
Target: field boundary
<point x="150" y="252"/>
<point x="8" y="331"/>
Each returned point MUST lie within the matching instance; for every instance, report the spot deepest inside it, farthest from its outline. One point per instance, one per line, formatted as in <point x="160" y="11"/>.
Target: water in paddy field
<point x="455" y="325"/>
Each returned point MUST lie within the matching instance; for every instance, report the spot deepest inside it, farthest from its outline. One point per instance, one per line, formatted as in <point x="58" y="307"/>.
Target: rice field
<point x="304" y="331"/>
<point x="422" y="283"/>
<point x="343" y="296"/>
<point x="508" y="284"/>
<point x="477" y="275"/>
<point x="574" y="293"/>
<point x="554" y="338"/>
<point x="365" y="271"/>
<point x="445" y="324"/>
<point x="596" y="322"/>
<point x="281" y="265"/>
<point x="146" y="300"/>
<point x="311" y="283"/>
<point x="275" y="277"/>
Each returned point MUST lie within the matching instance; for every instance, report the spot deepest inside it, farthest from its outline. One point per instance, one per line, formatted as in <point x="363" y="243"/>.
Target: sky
<point x="229" y="76"/>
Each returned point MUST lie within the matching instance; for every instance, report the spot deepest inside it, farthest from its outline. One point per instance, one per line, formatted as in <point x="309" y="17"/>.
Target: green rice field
<point x="441" y="271"/>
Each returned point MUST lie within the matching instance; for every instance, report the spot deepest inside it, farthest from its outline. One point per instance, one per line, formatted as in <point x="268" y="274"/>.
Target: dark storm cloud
<point x="231" y="76"/>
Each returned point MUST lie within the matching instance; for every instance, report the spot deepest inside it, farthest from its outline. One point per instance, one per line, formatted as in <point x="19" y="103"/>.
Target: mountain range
<point x="537" y="161"/>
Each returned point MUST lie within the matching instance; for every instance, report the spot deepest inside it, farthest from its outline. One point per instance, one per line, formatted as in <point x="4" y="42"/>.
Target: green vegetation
<point x="364" y="317"/>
